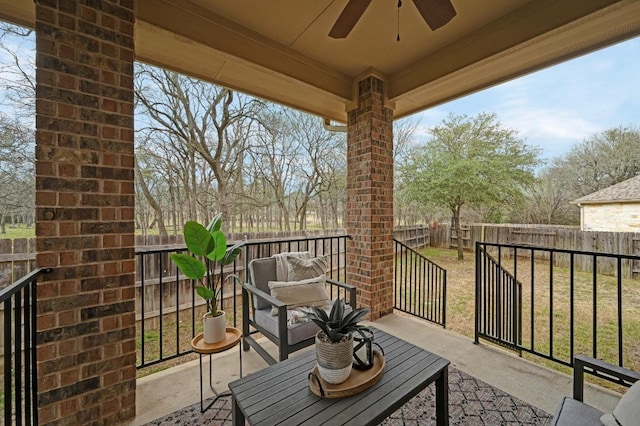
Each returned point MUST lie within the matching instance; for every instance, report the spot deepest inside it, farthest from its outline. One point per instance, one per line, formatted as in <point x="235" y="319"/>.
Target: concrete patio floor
<point x="172" y="389"/>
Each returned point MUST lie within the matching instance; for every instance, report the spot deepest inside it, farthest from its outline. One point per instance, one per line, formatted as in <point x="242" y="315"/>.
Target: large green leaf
<point x="205" y="293"/>
<point x="215" y="224"/>
<point x="232" y="253"/>
<point x="190" y="266"/>
<point x="219" y="246"/>
<point x="199" y="241"/>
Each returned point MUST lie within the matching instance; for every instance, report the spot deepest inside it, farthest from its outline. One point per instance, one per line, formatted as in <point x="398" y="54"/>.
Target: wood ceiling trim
<point x="212" y="30"/>
<point x="519" y="26"/>
<point x="20" y="12"/>
<point x="162" y="48"/>
<point x="606" y="27"/>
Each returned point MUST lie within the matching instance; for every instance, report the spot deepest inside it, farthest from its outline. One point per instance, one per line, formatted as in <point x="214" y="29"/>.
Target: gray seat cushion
<point x="576" y="413"/>
<point x="296" y="332"/>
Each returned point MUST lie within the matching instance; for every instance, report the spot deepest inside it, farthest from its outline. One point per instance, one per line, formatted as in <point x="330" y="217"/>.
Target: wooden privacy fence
<point x="557" y="237"/>
<point x="17" y="259"/>
<point x="17" y="256"/>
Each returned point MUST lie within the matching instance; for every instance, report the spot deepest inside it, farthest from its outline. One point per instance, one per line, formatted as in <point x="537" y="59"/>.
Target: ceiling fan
<point x="436" y="14"/>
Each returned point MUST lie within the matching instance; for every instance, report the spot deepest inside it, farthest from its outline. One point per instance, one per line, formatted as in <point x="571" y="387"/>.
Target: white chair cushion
<point x="309" y="292"/>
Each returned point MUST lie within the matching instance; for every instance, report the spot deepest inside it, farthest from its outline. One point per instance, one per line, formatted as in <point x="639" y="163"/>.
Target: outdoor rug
<point x="471" y="402"/>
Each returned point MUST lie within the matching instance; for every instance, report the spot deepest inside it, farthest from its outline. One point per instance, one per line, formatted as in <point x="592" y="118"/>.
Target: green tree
<point x="470" y="161"/>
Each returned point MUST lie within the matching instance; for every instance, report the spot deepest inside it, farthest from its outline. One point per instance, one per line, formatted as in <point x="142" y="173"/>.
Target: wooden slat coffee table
<point x="280" y="394"/>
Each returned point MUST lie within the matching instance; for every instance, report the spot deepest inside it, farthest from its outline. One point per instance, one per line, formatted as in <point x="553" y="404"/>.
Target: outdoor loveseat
<point x="274" y="299"/>
<point x="574" y="412"/>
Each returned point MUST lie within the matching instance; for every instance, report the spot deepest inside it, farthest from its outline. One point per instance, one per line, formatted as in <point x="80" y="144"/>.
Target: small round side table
<point x="198" y="345"/>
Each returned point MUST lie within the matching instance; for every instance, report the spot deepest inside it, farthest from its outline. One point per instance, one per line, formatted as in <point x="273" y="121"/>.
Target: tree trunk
<point x="174" y="218"/>
<point x="302" y="217"/>
<point x="456" y="217"/>
<point x="152" y="202"/>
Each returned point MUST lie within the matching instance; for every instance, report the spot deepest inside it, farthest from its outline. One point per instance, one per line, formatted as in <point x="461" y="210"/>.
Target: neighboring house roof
<point x="623" y="192"/>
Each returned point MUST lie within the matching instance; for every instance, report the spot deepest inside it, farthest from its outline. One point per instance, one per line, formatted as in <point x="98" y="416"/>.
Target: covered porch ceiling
<point x="280" y="49"/>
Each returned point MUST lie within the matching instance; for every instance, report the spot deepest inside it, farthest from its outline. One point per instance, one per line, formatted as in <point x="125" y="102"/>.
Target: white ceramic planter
<point x="215" y="328"/>
<point x="334" y="359"/>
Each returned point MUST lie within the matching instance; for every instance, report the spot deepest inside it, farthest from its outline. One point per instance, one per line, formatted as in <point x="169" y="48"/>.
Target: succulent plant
<point x="337" y="324"/>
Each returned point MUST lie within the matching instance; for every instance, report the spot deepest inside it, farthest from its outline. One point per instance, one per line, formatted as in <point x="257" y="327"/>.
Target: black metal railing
<point x="19" y="303"/>
<point x="498" y="305"/>
<point x="168" y="311"/>
<point x="420" y="285"/>
<point x="571" y="302"/>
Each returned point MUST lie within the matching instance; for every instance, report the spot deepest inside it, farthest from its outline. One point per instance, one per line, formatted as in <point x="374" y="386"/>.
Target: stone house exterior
<point x="614" y="209"/>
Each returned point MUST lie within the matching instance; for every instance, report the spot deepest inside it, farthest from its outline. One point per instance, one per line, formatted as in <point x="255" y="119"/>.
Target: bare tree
<point x="317" y="148"/>
<point x="148" y="184"/>
<point x="331" y="197"/>
<point x="17" y="83"/>
<point x="17" y="195"/>
<point x="602" y="160"/>
<point x="548" y="200"/>
<point x="404" y="141"/>
<point x="201" y="122"/>
<point x="275" y="155"/>
<point x="17" y="70"/>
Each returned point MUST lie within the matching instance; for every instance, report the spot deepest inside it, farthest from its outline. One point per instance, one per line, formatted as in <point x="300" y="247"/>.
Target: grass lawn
<point x="461" y="303"/>
<point x="18" y="231"/>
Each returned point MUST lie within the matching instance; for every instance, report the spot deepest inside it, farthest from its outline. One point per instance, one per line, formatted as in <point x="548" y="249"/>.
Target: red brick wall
<point x="85" y="211"/>
<point x="370" y="198"/>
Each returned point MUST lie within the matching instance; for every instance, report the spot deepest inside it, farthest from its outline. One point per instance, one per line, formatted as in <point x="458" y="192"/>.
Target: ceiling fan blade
<point x="348" y="18"/>
<point x="436" y="13"/>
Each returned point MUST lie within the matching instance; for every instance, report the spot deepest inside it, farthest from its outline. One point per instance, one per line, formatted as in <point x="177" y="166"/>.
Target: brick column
<point x="85" y="211"/>
<point x="370" y="198"/>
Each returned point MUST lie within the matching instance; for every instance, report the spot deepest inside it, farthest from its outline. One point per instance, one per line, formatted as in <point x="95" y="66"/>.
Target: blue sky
<point x="562" y="105"/>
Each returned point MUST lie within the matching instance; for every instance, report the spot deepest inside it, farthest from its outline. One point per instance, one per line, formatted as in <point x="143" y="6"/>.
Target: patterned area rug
<point x="471" y="402"/>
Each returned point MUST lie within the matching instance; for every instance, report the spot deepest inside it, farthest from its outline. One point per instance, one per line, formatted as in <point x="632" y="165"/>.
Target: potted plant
<point x="334" y="340"/>
<point x="207" y="246"/>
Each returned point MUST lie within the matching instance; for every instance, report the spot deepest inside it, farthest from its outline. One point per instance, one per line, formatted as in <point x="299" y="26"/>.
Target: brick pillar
<point x="370" y="198"/>
<point x="85" y="211"/>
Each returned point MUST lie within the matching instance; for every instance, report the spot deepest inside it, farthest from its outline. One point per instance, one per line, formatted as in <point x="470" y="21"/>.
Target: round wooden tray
<point x="358" y="380"/>
<point x="231" y="339"/>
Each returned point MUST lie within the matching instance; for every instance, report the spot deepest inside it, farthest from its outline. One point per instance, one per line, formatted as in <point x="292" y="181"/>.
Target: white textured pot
<point x="215" y="328"/>
<point x="334" y="359"/>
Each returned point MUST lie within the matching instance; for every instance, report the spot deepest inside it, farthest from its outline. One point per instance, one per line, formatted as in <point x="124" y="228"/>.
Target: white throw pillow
<point x="295" y="294"/>
<point x="282" y="264"/>
<point x="627" y="412"/>
<point x="303" y="269"/>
